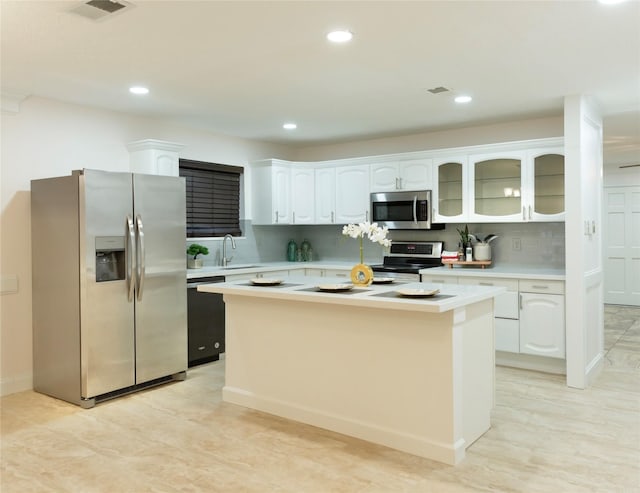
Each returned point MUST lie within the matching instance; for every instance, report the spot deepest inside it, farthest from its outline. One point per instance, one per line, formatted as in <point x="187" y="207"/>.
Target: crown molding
<point x="10" y="103"/>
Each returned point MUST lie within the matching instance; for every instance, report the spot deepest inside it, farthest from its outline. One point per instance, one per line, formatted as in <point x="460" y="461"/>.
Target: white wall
<point x="46" y="138"/>
<point x="538" y="128"/>
<point x="621" y="177"/>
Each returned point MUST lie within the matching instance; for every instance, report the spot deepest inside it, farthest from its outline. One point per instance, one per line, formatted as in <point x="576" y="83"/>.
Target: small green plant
<point x="194" y="250"/>
<point x="465" y="236"/>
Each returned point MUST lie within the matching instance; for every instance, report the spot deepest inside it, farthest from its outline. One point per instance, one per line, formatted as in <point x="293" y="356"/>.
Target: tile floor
<point x="182" y="438"/>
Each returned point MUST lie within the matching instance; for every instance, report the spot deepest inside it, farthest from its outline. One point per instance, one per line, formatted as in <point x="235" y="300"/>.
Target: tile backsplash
<point x="519" y="244"/>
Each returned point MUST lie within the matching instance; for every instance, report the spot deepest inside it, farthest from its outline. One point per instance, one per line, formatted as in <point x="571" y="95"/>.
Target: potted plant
<point x="194" y="250"/>
<point x="465" y="243"/>
<point x="465" y="236"/>
<point x="482" y="249"/>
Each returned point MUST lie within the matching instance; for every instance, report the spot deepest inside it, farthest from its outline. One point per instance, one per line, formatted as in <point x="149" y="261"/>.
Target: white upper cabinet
<point x="496" y="187"/>
<point x="325" y="195"/>
<point x="272" y="192"/>
<point x="352" y="194"/>
<point x="384" y="177"/>
<point x="403" y="175"/>
<point x="512" y="182"/>
<point x="302" y="194"/>
<point x="449" y="195"/>
<point x="518" y="186"/>
<point x="155" y="157"/>
<point x="415" y="174"/>
<point x="545" y="184"/>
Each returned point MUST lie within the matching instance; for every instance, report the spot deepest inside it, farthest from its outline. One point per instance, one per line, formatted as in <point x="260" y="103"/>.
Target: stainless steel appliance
<point x="405" y="259"/>
<point x="109" y="301"/>
<point x="205" y="319"/>
<point x="403" y="210"/>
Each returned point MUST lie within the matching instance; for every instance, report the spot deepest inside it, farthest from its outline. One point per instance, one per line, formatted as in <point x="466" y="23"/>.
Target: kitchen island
<point x="414" y="374"/>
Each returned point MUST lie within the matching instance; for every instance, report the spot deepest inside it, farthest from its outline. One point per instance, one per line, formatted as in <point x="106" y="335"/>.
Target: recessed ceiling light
<point x="290" y="126"/>
<point x="463" y="99"/>
<point x="340" y="36"/>
<point x="138" y="90"/>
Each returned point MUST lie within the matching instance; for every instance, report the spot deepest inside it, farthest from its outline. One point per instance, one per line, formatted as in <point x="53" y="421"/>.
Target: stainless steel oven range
<point x="406" y="258"/>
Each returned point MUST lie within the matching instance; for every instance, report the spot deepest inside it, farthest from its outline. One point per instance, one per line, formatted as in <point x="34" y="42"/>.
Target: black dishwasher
<point x="205" y="320"/>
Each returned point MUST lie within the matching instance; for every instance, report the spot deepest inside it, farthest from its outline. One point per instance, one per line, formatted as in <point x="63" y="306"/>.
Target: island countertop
<point x="302" y="288"/>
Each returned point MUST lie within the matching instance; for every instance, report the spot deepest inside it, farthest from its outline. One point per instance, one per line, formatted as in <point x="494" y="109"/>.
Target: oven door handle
<point x="415" y="209"/>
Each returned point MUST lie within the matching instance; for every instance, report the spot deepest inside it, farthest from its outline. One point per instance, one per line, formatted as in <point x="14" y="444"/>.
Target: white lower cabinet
<point x="529" y="317"/>
<point x="507" y="335"/>
<point x="337" y="273"/>
<point x="439" y="280"/>
<point x="542" y="328"/>
<point x="256" y="275"/>
<point x="315" y="272"/>
<point x="506" y="312"/>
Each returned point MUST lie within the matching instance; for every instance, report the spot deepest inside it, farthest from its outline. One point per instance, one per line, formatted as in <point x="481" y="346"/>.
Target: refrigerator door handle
<point x="140" y="257"/>
<point x="130" y="254"/>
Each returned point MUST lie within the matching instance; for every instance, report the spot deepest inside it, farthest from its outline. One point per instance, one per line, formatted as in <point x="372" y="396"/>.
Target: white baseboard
<point x="413" y="444"/>
<point x="531" y="362"/>
<point x="15" y="384"/>
<point x="593" y="369"/>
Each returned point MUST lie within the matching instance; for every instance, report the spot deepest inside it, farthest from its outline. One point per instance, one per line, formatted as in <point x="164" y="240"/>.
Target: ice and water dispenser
<point x="110" y="258"/>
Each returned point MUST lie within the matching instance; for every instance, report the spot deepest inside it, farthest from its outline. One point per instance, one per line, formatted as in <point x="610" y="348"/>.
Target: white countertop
<point x="243" y="268"/>
<point x="505" y="271"/>
<point x="304" y="289"/>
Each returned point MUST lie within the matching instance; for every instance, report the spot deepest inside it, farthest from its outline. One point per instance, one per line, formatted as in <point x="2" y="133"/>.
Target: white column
<point x="583" y="240"/>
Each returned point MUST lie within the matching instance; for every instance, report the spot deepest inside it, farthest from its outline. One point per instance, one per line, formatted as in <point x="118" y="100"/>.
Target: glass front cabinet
<point x="546" y="176"/>
<point x="496" y="188"/>
<point x="450" y="196"/>
<point x="518" y="186"/>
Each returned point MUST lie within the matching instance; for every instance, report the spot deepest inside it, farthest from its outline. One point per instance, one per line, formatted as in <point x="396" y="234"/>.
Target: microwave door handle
<point x="130" y="254"/>
<point x="415" y="209"/>
<point x="141" y="256"/>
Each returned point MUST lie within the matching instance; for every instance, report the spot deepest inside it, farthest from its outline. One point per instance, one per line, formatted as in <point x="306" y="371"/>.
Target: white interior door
<point x="622" y="245"/>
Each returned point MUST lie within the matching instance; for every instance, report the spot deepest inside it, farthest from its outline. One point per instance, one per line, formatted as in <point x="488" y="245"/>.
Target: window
<point x="213" y="198"/>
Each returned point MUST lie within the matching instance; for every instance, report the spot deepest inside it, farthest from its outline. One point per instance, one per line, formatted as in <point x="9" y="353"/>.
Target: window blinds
<point x="213" y="198"/>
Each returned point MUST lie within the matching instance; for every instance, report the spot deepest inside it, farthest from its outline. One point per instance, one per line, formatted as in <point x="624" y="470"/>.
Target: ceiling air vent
<point x="99" y="9"/>
<point x="438" y="90"/>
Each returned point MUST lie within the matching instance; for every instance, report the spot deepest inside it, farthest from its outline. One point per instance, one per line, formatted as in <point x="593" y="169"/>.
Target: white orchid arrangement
<point x="371" y="230"/>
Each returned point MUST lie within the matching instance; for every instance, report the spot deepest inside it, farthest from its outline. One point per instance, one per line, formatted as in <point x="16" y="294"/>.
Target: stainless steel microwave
<point x="403" y="210"/>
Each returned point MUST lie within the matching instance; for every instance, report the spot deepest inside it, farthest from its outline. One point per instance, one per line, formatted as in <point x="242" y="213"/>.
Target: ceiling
<point x="244" y="68"/>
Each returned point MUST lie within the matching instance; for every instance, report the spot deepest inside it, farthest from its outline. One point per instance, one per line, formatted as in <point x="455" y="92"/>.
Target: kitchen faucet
<point x="225" y="260"/>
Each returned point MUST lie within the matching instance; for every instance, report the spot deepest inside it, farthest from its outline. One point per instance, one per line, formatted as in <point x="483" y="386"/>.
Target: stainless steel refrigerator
<point x="109" y="297"/>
